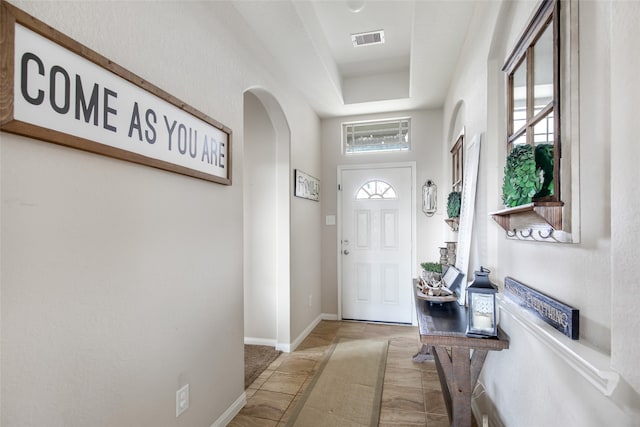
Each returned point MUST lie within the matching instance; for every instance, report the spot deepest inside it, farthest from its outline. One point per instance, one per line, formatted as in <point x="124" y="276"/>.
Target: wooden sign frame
<point x="55" y="89"/>
<point x="562" y="317"/>
<point x="306" y="186"/>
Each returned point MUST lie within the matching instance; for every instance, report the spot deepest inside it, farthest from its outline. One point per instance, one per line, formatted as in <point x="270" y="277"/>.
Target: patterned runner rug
<point x="347" y="390"/>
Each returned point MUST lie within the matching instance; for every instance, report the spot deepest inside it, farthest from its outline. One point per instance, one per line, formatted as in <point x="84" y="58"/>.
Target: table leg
<point x="477" y="360"/>
<point x="444" y="368"/>
<point x="461" y="390"/>
<point x="455" y="373"/>
<point x="423" y="355"/>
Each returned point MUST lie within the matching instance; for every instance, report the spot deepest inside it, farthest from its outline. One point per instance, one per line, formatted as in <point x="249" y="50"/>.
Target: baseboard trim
<point x="231" y="411"/>
<point x="260" y="341"/>
<point x="288" y="348"/>
<point x="482" y="405"/>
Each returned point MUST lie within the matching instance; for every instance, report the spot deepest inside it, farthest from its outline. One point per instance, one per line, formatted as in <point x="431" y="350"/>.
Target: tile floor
<point x="411" y="394"/>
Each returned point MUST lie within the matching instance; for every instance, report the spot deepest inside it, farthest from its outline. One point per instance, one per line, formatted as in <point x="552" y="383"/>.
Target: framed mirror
<point x="429" y="198"/>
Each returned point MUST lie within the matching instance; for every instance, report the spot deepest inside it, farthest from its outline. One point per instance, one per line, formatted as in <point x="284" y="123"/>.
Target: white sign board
<point x="92" y="108"/>
<point x="467" y="211"/>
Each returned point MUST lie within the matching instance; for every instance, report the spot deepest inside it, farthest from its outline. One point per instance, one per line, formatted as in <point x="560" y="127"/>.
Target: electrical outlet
<point x="182" y="400"/>
<point x="310" y="299"/>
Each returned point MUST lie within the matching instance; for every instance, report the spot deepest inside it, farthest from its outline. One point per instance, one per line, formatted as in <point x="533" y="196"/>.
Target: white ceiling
<point x="310" y="40"/>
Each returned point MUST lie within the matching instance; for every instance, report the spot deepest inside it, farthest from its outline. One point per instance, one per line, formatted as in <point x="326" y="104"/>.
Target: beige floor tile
<point x="291" y="408"/>
<point x="327" y="328"/>
<point x="401" y="417"/>
<point x="284" y="382"/>
<point x="247" y="421"/>
<point x="430" y="380"/>
<point x="434" y="402"/>
<point x="403" y="377"/>
<point x="318" y="342"/>
<point x="402" y="361"/>
<point x="395" y="397"/>
<point x="434" y="420"/>
<point x="305" y="385"/>
<point x="313" y="353"/>
<point x="262" y="378"/>
<point x="298" y="365"/>
<point x="411" y="344"/>
<point x="402" y="424"/>
<point x="358" y="327"/>
<point x="267" y="404"/>
<point x="274" y="365"/>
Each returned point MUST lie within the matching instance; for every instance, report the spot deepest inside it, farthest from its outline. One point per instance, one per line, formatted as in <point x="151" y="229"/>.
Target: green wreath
<point x="528" y="174"/>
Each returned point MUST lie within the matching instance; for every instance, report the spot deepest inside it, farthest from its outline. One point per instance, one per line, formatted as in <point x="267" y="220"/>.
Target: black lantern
<point x="481" y="295"/>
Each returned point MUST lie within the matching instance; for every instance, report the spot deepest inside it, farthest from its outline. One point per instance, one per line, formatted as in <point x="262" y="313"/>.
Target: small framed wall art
<point x="306" y="186"/>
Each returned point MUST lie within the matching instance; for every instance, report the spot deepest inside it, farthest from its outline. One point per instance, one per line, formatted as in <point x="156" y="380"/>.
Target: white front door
<point x="376" y="244"/>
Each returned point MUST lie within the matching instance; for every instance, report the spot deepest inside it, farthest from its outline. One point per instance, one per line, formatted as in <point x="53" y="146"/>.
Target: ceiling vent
<point x="368" y="38"/>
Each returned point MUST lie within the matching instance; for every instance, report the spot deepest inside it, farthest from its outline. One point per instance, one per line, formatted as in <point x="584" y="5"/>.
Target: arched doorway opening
<point x="266" y="221"/>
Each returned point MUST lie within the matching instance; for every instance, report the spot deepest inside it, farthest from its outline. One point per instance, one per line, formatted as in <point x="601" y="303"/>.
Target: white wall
<point x="305" y="226"/>
<point x="120" y="283"/>
<point x="529" y="385"/>
<point x="625" y="158"/>
<point x="426" y="151"/>
<point x="260" y="215"/>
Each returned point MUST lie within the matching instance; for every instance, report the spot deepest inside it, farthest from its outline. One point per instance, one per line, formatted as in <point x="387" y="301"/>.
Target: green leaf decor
<point x="544" y="163"/>
<point x="432" y="266"/>
<point x="528" y="174"/>
<point x="453" y="204"/>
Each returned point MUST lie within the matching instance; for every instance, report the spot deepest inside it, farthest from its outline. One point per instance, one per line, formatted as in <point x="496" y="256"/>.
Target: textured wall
<point x="528" y="384"/>
<point x="625" y="157"/>
<point x="120" y="282"/>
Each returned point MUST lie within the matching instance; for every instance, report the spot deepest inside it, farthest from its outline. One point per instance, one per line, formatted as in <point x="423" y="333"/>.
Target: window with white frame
<point x="377" y="135"/>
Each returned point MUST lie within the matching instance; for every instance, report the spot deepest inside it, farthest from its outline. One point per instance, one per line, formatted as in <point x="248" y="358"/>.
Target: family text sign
<point x="57" y="90"/>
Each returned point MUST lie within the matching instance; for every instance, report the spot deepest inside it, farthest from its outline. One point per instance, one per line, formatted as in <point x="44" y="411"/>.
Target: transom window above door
<point x="376" y="189"/>
<point x="376" y="135"/>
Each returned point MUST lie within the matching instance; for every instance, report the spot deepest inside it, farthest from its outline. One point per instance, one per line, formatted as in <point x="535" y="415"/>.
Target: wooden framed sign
<point x="55" y="89"/>
<point x="563" y="317"/>
<point x="306" y="186"/>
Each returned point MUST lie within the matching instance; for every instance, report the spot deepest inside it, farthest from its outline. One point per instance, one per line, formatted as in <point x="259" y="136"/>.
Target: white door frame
<point x="414" y="258"/>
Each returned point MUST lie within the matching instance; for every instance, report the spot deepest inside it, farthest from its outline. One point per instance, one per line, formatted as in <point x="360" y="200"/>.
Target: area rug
<point x="257" y="358"/>
<point x="347" y="390"/>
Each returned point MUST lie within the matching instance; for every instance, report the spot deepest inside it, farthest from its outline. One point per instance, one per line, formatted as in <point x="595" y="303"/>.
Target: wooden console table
<point x="442" y="327"/>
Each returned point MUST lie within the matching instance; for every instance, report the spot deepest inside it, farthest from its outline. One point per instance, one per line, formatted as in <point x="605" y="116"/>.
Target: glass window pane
<point x="544" y="154"/>
<point x="543" y="70"/>
<point x="543" y="130"/>
<point x="389" y="135"/>
<point x="376" y="190"/>
<point x="519" y="101"/>
<point x="522" y="139"/>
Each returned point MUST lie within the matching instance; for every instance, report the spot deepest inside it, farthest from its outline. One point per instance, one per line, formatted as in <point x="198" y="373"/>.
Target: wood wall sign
<point x="55" y="89"/>
<point x="306" y="186"/>
<point x="559" y="315"/>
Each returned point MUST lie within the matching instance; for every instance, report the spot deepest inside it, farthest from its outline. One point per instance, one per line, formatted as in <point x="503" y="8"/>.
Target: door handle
<point x="346" y="252"/>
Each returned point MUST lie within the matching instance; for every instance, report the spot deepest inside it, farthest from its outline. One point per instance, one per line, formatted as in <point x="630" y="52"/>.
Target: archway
<point x="266" y="221"/>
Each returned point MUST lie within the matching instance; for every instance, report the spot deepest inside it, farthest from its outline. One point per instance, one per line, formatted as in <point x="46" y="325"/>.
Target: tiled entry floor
<point x="411" y="394"/>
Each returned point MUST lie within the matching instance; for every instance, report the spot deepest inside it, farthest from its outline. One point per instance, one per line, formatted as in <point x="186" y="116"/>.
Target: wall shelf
<point x="453" y="223"/>
<point x="539" y="221"/>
